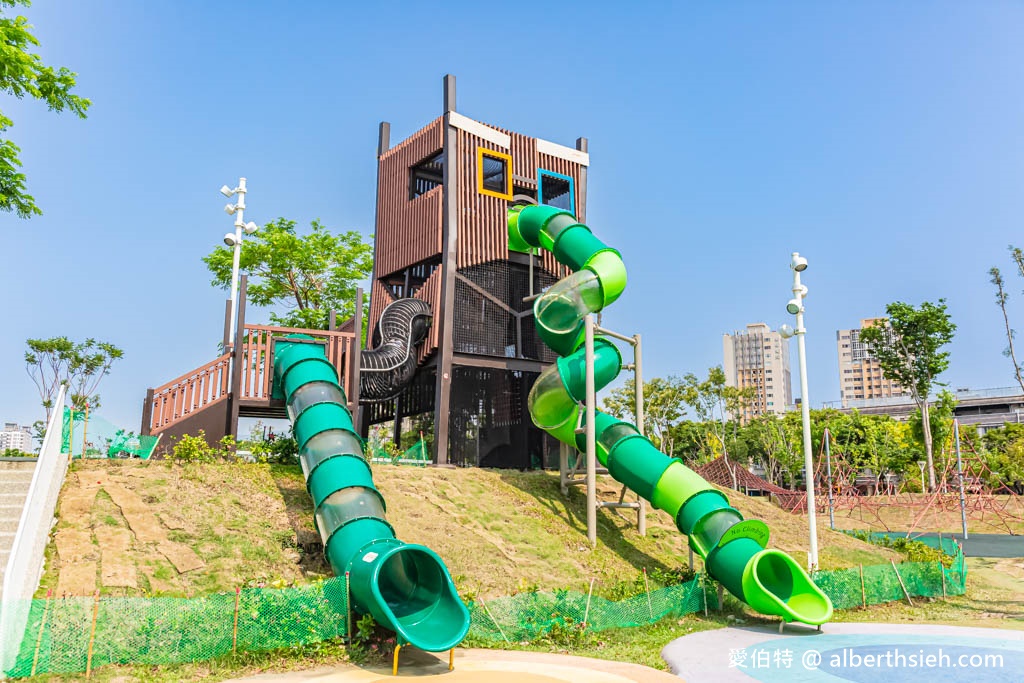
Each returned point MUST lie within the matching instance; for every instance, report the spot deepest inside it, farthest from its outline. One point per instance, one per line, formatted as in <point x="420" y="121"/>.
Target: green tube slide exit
<point x="406" y="587"/>
<point x="733" y="549"/>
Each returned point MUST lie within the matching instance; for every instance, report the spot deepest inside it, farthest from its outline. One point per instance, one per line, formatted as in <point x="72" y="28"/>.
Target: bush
<point x="194" y="448"/>
<point x="915" y="551"/>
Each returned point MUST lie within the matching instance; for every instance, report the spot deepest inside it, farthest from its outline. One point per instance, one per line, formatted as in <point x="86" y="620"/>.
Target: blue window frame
<point x="556" y="189"/>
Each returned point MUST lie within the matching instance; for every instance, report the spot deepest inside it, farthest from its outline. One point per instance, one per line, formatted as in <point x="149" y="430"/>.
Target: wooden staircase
<point x="213" y="396"/>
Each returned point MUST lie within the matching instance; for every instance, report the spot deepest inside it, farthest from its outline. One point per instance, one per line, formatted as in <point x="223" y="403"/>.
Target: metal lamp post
<point x="795" y="307"/>
<point x="234" y="239"/>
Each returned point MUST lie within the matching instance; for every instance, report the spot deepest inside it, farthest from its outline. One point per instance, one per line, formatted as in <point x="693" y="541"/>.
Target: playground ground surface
<point x="478" y="501"/>
<point x="850" y="652"/>
<point x="482" y="666"/>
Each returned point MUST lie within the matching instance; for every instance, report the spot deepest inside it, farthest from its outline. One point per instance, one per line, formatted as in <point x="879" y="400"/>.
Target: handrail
<point x="210" y="383"/>
<point x="190" y="375"/>
<point x="300" y="330"/>
<point x="25" y="563"/>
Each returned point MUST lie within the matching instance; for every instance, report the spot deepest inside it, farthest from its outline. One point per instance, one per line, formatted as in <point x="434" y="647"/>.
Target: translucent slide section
<point x="734" y="549"/>
<point x="406" y="587"/>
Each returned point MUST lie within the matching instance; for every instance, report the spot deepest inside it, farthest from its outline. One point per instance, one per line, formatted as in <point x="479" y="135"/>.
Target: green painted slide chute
<point x="406" y="587"/>
<point x="734" y="549"/>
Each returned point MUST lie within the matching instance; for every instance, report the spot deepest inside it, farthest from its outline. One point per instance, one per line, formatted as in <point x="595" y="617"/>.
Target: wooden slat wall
<point x="379" y="300"/>
<point x="408" y="231"/>
<point x="431" y="293"/>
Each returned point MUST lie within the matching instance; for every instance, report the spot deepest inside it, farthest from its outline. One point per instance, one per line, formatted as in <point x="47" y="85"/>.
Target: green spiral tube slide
<point x="406" y="587"/>
<point x="733" y="548"/>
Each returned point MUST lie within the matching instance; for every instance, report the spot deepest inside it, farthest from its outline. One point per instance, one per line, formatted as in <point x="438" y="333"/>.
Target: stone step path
<point x="15" y="477"/>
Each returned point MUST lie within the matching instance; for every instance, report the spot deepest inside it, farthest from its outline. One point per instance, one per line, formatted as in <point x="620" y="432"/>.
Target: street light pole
<point x="235" y="241"/>
<point x="798" y="264"/>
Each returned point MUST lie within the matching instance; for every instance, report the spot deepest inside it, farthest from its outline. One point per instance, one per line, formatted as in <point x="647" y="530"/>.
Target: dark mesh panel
<point x="489" y="425"/>
<point x="483" y="326"/>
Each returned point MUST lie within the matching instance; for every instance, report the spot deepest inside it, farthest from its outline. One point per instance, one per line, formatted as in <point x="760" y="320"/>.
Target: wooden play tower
<point x="441" y="236"/>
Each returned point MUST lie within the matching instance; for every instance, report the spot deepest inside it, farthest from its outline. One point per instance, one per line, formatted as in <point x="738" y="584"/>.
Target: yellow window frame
<point x="481" y="152"/>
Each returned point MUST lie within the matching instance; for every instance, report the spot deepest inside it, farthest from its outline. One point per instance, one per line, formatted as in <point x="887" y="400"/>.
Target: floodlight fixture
<point x="794" y="306"/>
<point x="251" y="227"/>
<point x="786" y="331"/>
<point x="798" y="263"/>
<point x="230" y="209"/>
<point x="230" y="240"/>
<point x="226" y="191"/>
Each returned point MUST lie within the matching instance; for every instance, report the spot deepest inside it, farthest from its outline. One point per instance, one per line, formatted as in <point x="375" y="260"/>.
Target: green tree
<point x="79" y="365"/>
<point x="22" y="73"/>
<point x="713" y="400"/>
<point x="908" y="347"/>
<point x="664" y="406"/>
<point x="1002" y="297"/>
<point x="940" y="420"/>
<point x="309" y="274"/>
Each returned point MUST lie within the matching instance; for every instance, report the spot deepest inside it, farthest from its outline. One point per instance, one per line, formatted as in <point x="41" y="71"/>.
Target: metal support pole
<point x="638" y="380"/>
<point x="828" y="474"/>
<point x="805" y="413"/>
<point x="588" y="326"/>
<point x="239" y="224"/>
<point x="960" y="476"/>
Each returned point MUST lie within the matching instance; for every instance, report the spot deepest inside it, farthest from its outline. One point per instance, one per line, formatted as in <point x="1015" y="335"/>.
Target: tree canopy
<point x="909" y="348"/>
<point x="663" y="407"/>
<point x="309" y="275"/>
<point x="79" y="365"/>
<point x="22" y="73"/>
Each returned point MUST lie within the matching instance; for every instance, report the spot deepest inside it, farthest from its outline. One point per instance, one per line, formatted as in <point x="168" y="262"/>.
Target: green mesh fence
<point x="100" y="438"/>
<point x="417" y="454"/>
<point x="177" y="630"/>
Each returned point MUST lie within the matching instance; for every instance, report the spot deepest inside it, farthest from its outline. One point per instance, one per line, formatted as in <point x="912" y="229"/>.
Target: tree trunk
<point x="926" y="427"/>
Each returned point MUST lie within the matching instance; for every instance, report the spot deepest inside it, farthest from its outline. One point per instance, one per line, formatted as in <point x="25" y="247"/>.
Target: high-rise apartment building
<point x="16" y="438"/>
<point x="759" y="358"/>
<point x="860" y="375"/>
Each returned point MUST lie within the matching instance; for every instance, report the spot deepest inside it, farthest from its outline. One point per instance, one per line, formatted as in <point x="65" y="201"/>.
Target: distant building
<point x="984" y="408"/>
<point x="17" y="438"/>
<point x="860" y="375"/>
<point x="759" y="358"/>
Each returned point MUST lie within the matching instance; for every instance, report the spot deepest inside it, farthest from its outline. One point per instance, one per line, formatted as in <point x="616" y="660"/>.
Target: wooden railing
<point x="190" y="393"/>
<point x="257" y="347"/>
<point x="211" y="383"/>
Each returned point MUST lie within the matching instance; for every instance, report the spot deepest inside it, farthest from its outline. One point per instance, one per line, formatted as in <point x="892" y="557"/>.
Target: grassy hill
<point x="137" y="528"/>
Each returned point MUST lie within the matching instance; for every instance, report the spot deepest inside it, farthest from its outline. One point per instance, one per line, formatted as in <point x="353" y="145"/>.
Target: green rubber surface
<point x="733" y="548"/>
<point x="406" y="588"/>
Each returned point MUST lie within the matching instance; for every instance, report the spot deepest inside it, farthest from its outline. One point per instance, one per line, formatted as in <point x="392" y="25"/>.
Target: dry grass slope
<point x="499" y="531"/>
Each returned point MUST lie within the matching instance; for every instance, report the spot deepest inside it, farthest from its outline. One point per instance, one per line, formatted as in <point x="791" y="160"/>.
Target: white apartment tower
<point x="16" y="438"/>
<point x="860" y="375"/>
<point x="759" y="358"/>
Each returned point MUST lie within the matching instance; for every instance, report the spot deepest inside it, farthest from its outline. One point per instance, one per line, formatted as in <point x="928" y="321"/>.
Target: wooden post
<point x="394" y="666"/>
<point x="647" y="587"/>
<point x="234" y="630"/>
<point x="348" y="609"/>
<point x="71" y="432"/>
<point x="451" y="659"/>
<point x="942" y="574"/>
<point x="586" y="613"/>
<point x="863" y="593"/>
<point x="484" y="605"/>
<point x="704" y="594"/>
<point x="905" y="591"/>
<point x="39" y="637"/>
<point x="92" y="634"/>
<point x="85" y="430"/>
<point x="721" y="597"/>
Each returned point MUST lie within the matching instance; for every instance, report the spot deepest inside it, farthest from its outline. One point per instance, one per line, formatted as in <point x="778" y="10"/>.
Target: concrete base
<point x="483" y="666"/>
<point x="838" y="651"/>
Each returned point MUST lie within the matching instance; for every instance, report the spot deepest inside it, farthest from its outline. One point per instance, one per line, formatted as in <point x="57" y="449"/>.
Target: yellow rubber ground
<point x="482" y="666"/>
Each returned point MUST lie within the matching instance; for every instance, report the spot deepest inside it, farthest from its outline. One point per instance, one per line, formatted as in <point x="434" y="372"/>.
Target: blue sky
<point x="882" y="140"/>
